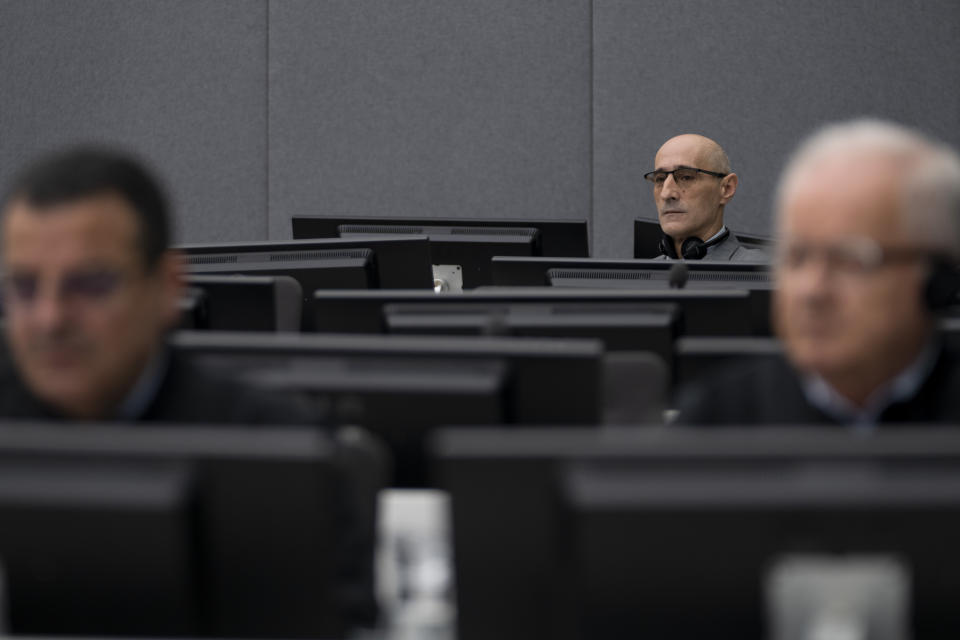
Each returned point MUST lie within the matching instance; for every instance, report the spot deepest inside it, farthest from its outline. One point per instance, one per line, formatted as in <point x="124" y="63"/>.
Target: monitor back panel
<point x="557" y="237"/>
<point x="722" y="312"/>
<point x="401" y="262"/>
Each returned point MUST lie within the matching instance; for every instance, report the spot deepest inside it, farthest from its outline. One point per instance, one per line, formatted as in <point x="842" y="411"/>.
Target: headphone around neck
<point x="692" y="248"/>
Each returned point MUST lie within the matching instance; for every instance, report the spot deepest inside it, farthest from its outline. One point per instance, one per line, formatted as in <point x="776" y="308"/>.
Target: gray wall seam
<point x="591" y="227"/>
<point x="266" y="123"/>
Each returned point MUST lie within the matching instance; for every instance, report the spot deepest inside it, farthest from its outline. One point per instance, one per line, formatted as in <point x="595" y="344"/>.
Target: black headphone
<point x="692" y="248"/>
<point x="943" y="284"/>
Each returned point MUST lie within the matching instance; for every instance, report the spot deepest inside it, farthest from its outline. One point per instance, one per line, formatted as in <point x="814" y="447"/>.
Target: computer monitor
<point x="647" y="234"/>
<point x="401" y="262"/>
<point x="460" y="255"/>
<point x="557" y="237"/>
<point x="703" y="312"/>
<point x="521" y="560"/>
<point x="313" y="270"/>
<point x="248" y="303"/>
<point x="654" y="275"/>
<point x="401" y="400"/>
<point x="621" y="326"/>
<point x="551" y="381"/>
<point x="690" y="553"/>
<point x="509" y="271"/>
<point x="402" y="387"/>
<point x="950" y="330"/>
<point x="658" y="275"/>
<point x="704" y="357"/>
<point x="193" y="309"/>
<point x="169" y="530"/>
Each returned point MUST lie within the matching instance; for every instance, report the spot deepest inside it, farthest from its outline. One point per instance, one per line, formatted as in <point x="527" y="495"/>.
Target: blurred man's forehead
<point x="856" y="196"/>
<point x="845" y="171"/>
<point x="108" y="206"/>
<point x="104" y="223"/>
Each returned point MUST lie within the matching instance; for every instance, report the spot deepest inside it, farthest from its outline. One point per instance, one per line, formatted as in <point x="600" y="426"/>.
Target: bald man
<point x="692" y="183"/>
<point x="868" y="231"/>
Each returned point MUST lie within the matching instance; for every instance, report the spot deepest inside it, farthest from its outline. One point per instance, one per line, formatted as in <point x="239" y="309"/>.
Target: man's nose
<point x="49" y="309"/>
<point x="669" y="189"/>
<point x="814" y="280"/>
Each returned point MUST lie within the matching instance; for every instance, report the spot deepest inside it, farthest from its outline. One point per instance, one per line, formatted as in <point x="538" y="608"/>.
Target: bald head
<point x="693" y="209"/>
<point x="705" y="152"/>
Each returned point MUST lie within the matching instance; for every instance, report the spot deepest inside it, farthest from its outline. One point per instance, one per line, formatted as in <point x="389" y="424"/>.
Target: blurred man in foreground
<point x="692" y="183"/>
<point x="869" y="237"/>
<point x="90" y="289"/>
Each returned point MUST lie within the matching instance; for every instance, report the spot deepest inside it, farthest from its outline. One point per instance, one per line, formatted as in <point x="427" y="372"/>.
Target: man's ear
<point x="171" y="271"/>
<point x="728" y="187"/>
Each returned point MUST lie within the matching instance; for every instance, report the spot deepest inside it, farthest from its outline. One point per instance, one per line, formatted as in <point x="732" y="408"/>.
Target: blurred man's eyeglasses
<point x="682" y="176"/>
<point x="82" y="286"/>
<point x="852" y="256"/>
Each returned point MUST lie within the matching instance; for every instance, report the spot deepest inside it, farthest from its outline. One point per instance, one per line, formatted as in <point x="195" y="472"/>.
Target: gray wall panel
<point x="182" y="82"/>
<point x="460" y="107"/>
<point x="429" y="107"/>
<point x="756" y="76"/>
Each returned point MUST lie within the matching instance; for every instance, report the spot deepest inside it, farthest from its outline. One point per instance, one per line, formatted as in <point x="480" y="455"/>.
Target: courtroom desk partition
<point x="726" y="312"/>
<point x="670" y="531"/>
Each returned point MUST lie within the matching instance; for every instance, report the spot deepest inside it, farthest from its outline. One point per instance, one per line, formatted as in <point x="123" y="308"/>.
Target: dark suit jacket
<point x="770" y="392"/>
<point x="188" y="393"/>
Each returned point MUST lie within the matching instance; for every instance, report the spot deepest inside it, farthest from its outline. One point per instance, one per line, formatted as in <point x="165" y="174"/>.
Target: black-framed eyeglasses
<point x="853" y="256"/>
<point x="682" y="176"/>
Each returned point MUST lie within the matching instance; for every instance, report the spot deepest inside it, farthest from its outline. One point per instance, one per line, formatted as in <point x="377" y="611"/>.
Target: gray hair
<point x="930" y="197"/>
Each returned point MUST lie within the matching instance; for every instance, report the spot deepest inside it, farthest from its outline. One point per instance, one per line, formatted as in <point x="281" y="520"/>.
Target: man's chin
<point x="826" y="360"/>
<point x="61" y="388"/>
<point x="673" y="224"/>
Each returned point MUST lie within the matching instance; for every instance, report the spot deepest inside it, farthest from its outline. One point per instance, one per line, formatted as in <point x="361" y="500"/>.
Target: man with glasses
<point x="692" y="183"/>
<point x="868" y="230"/>
<point x="90" y="289"/>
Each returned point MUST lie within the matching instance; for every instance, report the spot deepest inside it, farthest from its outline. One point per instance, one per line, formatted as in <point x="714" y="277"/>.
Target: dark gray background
<point x="255" y="110"/>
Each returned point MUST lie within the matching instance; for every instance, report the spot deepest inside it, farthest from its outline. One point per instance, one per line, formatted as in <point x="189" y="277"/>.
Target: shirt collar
<point x="145" y="390"/>
<point x="719" y="233"/>
<point x="903" y="386"/>
<point x="714" y="247"/>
